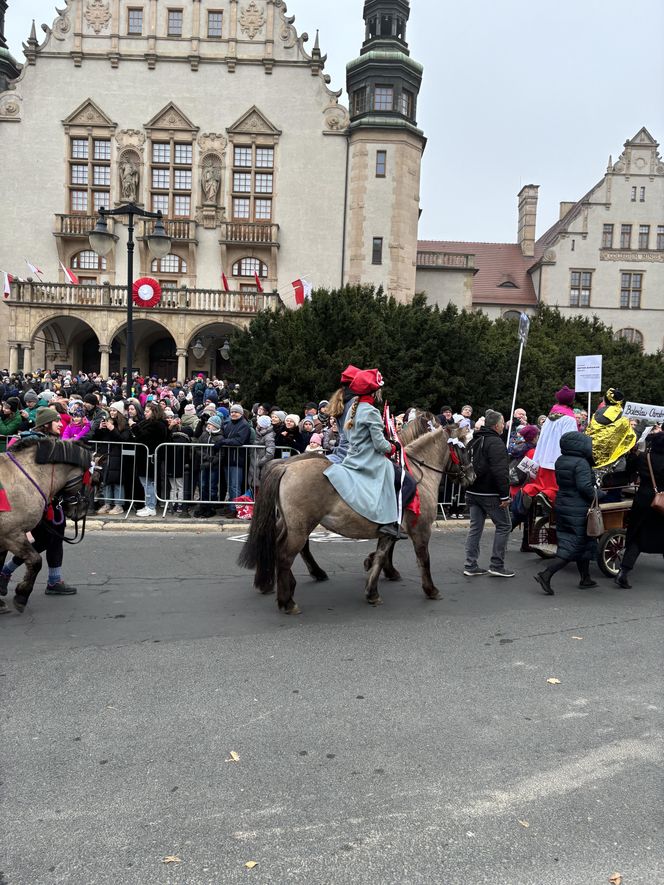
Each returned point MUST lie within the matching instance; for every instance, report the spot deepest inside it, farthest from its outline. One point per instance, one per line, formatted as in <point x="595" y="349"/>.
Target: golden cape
<point x="610" y="441"/>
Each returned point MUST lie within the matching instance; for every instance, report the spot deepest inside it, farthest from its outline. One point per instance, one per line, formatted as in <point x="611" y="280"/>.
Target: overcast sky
<point x="515" y="92"/>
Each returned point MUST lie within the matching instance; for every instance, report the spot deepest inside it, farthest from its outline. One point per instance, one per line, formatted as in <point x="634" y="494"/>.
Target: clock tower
<point x="386" y="149"/>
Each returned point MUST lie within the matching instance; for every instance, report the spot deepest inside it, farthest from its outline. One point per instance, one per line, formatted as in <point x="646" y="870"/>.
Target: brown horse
<point x="295" y="497"/>
<point x="31" y="487"/>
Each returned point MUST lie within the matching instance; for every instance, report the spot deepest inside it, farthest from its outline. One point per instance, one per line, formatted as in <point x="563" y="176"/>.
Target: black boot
<point x="584" y="572"/>
<point x="544" y="580"/>
<point x="392" y="530"/>
<point x="621" y="580"/>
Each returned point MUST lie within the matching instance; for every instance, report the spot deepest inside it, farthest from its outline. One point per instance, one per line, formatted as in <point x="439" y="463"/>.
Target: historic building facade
<point x="214" y="113"/>
<point x="603" y="257"/>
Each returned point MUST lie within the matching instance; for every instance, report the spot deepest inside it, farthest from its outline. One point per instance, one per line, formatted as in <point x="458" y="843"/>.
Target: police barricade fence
<point x="191" y="474"/>
<point x="126" y="474"/>
<point x="451" y="499"/>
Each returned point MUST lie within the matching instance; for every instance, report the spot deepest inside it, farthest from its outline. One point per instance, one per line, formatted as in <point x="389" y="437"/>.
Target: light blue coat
<point x="365" y="478"/>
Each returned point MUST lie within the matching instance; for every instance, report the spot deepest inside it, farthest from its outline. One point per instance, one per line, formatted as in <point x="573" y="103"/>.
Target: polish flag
<point x="258" y="282"/>
<point x="224" y="282"/>
<point x="7" y="291"/>
<point x="34" y="270"/>
<point x="69" y="276"/>
<point x="302" y="291"/>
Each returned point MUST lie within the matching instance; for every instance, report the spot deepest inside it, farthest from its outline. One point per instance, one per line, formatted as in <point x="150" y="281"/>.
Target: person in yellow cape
<point x="610" y="431"/>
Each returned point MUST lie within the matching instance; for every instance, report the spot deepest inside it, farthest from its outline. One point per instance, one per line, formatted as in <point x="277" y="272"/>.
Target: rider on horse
<point x="365" y="478"/>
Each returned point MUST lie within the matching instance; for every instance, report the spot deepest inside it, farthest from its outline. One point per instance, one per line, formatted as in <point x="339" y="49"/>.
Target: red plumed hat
<point x="349" y="373"/>
<point x="366" y="381"/>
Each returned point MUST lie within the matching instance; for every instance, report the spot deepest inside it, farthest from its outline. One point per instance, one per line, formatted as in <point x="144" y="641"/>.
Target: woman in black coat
<point x="645" y="526"/>
<point x="150" y="432"/>
<point x="113" y="429"/>
<point x="576" y="490"/>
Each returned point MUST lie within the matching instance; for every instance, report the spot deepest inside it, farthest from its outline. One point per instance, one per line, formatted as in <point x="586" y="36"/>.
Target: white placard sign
<point x="645" y="411"/>
<point x="588" y="373"/>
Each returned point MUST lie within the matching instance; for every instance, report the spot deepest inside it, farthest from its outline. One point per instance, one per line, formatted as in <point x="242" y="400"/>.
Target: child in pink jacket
<point x="79" y="426"/>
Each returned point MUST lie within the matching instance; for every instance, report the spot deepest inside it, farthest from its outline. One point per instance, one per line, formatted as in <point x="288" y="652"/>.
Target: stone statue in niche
<point x="211" y="183"/>
<point x="128" y="180"/>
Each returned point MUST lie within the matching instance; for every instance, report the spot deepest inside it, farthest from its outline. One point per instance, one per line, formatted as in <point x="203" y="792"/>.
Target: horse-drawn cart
<point x="610" y="545"/>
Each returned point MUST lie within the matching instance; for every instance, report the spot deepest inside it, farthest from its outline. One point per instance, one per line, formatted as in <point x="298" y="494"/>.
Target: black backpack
<point x="477" y="456"/>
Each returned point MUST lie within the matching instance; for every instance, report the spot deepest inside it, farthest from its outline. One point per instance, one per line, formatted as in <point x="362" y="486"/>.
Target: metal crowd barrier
<point x="451" y="497"/>
<point x="192" y="474"/>
<point x="135" y="468"/>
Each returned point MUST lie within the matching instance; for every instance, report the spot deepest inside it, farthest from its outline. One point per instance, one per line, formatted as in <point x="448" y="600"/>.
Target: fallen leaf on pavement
<point x="234" y="757"/>
<point x="577" y="637"/>
<point x="524" y="823"/>
<point x="615" y="879"/>
<point x="250" y="864"/>
<point x="553" y="681"/>
<point x="171" y="858"/>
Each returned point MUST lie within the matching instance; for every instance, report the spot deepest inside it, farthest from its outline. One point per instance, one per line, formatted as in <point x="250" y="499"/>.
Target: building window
<point x="135" y="22"/>
<point x="248" y="267"/>
<point x="359" y="101"/>
<point x="88" y="260"/>
<point x="642" y="195"/>
<point x="660" y="237"/>
<point x="252" y="189"/>
<point x="377" y="251"/>
<point x="381" y="164"/>
<point x="631" y="335"/>
<point x="89" y="175"/>
<point x="171" y="177"/>
<point x="644" y="236"/>
<point x="383" y="98"/>
<point x="625" y="236"/>
<point x="633" y="197"/>
<point x="174" y="22"/>
<point x="406" y="107"/>
<point x="169" y="264"/>
<point x="580" y="286"/>
<point x="215" y="20"/>
<point x="631" y="285"/>
<point x="607" y="236"/>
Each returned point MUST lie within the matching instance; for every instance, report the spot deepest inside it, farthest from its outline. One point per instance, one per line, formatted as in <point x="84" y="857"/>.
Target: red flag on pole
<point x="302" y="291"/>
<point x="258" y="282"/>
<point x="69" y="275"/>
<point x="7" y="290"/>
<point x="224" y="282"/>
<point x="34" y="270"/>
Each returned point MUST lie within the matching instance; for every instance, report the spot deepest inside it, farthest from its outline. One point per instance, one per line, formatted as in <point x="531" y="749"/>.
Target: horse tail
<point x="260" y="549"/>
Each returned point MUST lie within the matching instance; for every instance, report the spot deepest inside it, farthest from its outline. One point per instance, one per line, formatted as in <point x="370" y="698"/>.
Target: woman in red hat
<point x="365" y="478"/>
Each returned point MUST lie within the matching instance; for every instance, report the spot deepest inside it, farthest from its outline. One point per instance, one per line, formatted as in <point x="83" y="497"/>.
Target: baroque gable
<point x="89" y="114"/>
<point x="171" y="117"/>
<point x="253" y="122"/>
<point x="640" y="156"/>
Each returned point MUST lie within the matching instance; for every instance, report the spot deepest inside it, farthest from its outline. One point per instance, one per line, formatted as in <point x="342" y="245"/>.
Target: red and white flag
<point x="69" y="275"/>
<point x="34" y="270"/>
<point x="7" y="289"/>
<point x="224" y="282"/>
<point x="302" y="291"/>
<point x="258" y="282"/>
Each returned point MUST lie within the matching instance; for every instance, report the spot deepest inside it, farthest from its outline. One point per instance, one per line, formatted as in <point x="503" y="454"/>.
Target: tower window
<point x="383" y="98"/>
<point x="377" y="251"/>
<point x="406" y="106"/>
<point x="381" y="164"/>
<point x="642" y="195"/>
<point x="359" y="101"/>
<point x="633" y="198"/>
<point x="386" y="26"/>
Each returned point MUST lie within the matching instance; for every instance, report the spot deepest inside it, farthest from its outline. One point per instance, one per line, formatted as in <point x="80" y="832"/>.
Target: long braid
<point x="351" y="418"/>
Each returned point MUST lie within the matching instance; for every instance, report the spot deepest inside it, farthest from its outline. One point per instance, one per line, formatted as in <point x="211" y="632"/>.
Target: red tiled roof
<point x="496" y="263"/>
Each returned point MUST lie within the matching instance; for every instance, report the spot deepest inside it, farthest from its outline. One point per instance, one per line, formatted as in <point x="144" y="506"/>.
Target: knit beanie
<point x="215" y="421"/>
<point x="565" y="396"/>
<point x="492" y="418"/>
<point x="264" y="421"/>
<point x="308" y="420"/>
<point x="45" y="415"/>
<point x="190" y="409"/>
<point x="236" y="409"/>
<point x="528" y="432"/>
<point x="13" y="402"/>
<point x="30" y="397"/>
<point x="280" y="415"/>
<point x="48" y="395"/>
<point x="294" y="418"/>
<point x="316" y="438"/>
<point x="91" y="399"/>
<point x="119" y="407"/>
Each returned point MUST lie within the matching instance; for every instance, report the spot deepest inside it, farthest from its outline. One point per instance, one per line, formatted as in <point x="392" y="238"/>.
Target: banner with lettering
<point x="644" y="412"/>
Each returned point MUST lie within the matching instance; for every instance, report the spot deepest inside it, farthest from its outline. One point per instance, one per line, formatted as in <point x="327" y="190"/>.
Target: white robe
<point x="547" y="450"/>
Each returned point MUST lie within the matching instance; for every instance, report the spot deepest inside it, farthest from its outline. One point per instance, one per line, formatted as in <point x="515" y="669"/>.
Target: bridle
<point x="458" y="471"/>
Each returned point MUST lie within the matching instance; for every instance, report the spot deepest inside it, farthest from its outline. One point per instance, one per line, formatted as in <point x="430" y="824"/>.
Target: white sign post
<point x="588" y="377"/>
<point x="524" y="328"/>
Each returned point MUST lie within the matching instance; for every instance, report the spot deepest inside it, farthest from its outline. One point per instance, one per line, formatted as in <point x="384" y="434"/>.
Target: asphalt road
<point x="418" y="742"/>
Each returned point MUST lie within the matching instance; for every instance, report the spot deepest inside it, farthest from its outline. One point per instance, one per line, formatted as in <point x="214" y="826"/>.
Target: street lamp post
<point x="102" y="242"/>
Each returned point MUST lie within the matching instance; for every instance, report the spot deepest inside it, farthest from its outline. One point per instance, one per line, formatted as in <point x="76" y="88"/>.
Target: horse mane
<point x="416" y="428"/>
<point x="420" y="442"/>
<point x="54" y="451"/>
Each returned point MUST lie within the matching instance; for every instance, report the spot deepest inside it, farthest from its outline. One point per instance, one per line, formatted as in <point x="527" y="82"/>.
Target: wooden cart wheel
<point x="539" y="538"/>
<point x="611" y="547"/>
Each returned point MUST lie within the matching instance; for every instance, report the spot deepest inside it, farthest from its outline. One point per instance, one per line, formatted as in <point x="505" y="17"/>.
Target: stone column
<point x="181" y="354"/>
<point x="27" y="357"/>
<point x="105" y="361"/>
<point x="13" y="358"/>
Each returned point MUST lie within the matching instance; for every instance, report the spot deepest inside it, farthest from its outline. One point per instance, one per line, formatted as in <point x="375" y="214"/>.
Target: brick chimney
<point x="527" y="218"/>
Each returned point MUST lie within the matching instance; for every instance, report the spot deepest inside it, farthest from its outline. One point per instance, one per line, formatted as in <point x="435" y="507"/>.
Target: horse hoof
<point x="393" y="576"/>
<point x="374" y="600"/>
<point x="434" y="595"/>
<point x="321" y="576"/>
<point x="294" y="609"/>
<point x="265" y="591"/>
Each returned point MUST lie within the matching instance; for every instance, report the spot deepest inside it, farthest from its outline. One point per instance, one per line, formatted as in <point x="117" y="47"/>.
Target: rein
<point x="421" y="463"/>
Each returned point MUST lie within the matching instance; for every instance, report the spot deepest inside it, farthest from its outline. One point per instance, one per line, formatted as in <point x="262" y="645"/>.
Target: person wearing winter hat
<point x="315" y="443"/>
<point x="237" y="434"/>
<point x="365" y="479"/>
<point x="290" y="437"/>
<point x="209" y="469"/>
<point x="338" y="408"/>
<point x="306" y="430"/>
<point x="31" y="400"/>
<point x="93" y="412"/>
<point x="262" y="456"/>
<point x="489" y="496"/>
<point x="79" y="426"/>
<point x="189" y="417"/>
<point x="11" y="421"/>
<point x="561" y="420"/>
<point x="47" y="536"/>
<point x="119" y="406"/>
<point x="610" y="431"/>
